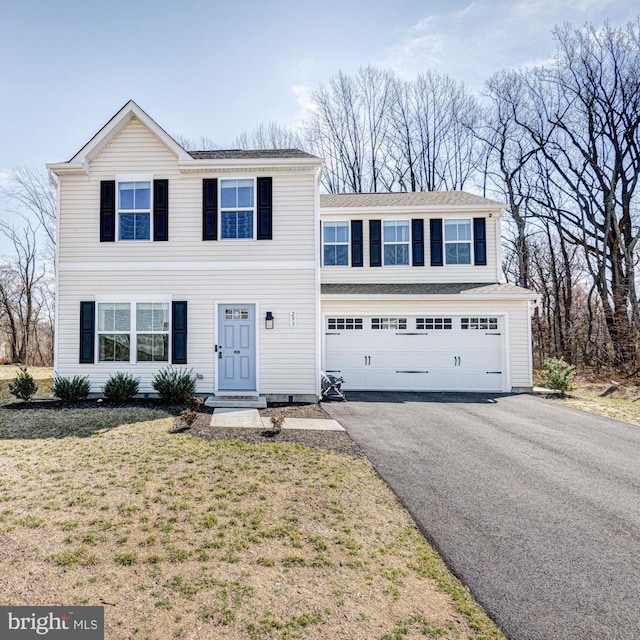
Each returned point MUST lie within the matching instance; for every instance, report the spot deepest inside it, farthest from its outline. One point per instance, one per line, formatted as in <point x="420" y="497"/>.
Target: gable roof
<point x="117" y="123"/>
<point x="482" y="289"/>
<point x="406" y="199"/>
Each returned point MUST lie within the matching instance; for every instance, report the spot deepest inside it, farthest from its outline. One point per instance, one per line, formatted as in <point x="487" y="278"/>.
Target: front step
<point x="236" y="402"/>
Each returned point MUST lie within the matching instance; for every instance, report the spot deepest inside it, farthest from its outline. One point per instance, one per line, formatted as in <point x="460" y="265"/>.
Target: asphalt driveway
<point x="534" y="506"/>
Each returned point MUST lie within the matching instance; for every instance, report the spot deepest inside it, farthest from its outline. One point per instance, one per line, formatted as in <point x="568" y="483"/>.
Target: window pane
<point x="142" y="198"/>
<point x="450" y="230"/>
<point x="126" y="190"/>
<point x="245" y="224"/>
<point x="113" y="316"/>
<point x="228" y="194"/>
<point x="389" y="232"/>
<point x="451" y="252"/>
<point x="122" y="317"/>
<point x="144" y="316"/>
<point x="330" y="255"/>
<point x="245" y="193"/>
<point x="143" y="226"/>
<point x="330" y="232"/>
<point x="127" y="226"/>
<point x="114" y="348"/>
<point x="342" y="255"/>
<point x="390" y="254"/>
<point x="342" y="232"/>
<point x="402" y="232"/>
<point x="229" y="224"/>
<point x="153" y="347"/>
<point x="464" y="253"/>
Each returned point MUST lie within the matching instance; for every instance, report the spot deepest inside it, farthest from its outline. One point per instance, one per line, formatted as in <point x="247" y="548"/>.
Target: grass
<point x="622" y="404"/>
<point x="183" y="538"/>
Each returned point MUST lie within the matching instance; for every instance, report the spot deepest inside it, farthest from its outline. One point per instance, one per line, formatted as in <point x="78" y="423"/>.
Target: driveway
<point x="534" y="506"/>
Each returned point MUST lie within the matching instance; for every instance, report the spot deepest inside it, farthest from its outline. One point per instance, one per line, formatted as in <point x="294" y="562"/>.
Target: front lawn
<point x="178" y="537"/>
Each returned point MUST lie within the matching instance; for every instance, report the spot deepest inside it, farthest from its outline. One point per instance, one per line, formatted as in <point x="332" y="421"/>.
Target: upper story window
<point x="457" y="241"/>
<point x="134" y="210"/>
<point x="237" y="206"/>
<point x="395" y="236"/>
<point x="335" y="244"/>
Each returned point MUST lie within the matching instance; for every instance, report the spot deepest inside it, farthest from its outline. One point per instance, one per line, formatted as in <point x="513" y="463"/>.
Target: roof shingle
<point x="406" y="199"/>
<point x="249" y="154"/>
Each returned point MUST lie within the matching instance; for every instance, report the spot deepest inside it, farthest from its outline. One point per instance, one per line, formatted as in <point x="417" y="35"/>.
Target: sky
<point x="214" y="69"/>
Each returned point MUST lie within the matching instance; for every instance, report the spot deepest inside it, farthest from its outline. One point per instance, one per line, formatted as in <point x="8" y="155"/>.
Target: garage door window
<point x="396" y="242"/>
<point x="344" y="324"/>
<point x="433" y="324"/>
<point x="388" y="323"/>
<point x="479" y="323"/>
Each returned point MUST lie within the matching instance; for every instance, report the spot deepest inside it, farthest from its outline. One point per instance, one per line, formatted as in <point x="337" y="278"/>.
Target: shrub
<point x="174" y="386"/>
<point x="120" y="387"/>
<point x="558" y="374"/>
<point x="71" y="390"/>
<point x="189" y="416"/>
<point x="277" y="422"/>
<point x="24" y="386"/>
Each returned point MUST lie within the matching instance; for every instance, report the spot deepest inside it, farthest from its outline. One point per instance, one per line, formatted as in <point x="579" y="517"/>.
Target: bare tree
<point x="269" y="135"/>
<point x="203" y="143"/>
<point x="583" y="113"/>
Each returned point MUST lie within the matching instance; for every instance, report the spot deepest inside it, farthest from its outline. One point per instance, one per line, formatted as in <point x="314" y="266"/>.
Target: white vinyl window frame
<point x="336" y="243"/>
<point x="457" y="241"/>
<point x="134" y="177"/>
<point x="223" y="209"/>
<point x="397" y="224"/>
<point x="133" y="332"/>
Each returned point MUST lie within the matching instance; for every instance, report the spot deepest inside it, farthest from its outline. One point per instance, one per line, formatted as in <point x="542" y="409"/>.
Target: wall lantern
<point x="268" y="320"/>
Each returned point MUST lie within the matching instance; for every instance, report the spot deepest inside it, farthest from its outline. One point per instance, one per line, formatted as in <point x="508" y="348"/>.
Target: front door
<point x="237" y="347"/>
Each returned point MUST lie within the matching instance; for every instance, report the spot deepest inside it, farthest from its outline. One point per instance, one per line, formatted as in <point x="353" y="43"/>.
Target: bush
<point x="120" y="387"/>
<point x="24" y="386"/>
<point x="558" y="374"/>
<point x="174" y="386"/>
<point x="71" y="390"/>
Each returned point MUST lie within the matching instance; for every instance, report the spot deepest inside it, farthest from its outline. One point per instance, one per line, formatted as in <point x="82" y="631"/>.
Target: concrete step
<point x="236" y="402"/>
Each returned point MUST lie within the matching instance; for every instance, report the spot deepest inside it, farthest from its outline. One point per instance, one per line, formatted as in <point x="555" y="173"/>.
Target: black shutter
<point x="357" y="259"/>
<point x="479" y="241"/>
<point x="210" y="209"/>
<point x="87" y="332"/>
<point x="265" y="209"/>
<point x="179" y="332"/>
<point x="375" y="243"/>
<point x="417" y="242"/>
<point x="160" y="210"/>
<point x="435" y="228"/>
<point x="107" y="211"/>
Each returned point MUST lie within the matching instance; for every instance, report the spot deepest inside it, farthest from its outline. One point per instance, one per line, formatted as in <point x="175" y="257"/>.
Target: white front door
<point x="416" y="353"/>
<point x="236" y="347"/>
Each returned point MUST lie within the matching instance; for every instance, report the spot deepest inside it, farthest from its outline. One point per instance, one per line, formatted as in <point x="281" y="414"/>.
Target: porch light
<point x="268" y="320"/>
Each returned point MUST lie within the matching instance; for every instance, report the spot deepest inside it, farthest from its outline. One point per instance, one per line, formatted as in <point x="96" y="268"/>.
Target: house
<point x="232" y="264"/>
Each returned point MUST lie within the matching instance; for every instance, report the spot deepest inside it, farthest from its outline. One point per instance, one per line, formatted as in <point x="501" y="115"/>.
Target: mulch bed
<point x="336" y="441"/>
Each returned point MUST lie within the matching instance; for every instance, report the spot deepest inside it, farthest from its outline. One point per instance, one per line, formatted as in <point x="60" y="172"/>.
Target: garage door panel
<point x="451" y="359"/>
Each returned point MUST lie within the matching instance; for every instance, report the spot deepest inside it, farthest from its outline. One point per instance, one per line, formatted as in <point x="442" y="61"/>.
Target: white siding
<point x="410" y="274"/>
<point x="277" y="275"/>
<point x="515" y="313"/>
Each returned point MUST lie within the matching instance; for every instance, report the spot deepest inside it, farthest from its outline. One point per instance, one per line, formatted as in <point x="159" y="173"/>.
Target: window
<point x="396" y="242"/>
<point x="237" y="202"/>
<point x="344" y="323"/>
<point x="152" y="331"/>
<point x="134" y="210"/>
<point x="335" y="237"/>
<point x="457" y="241"/>
<point x="388" y="323"/>
<point x="114" y="332"/>
<point x="433" y="323"/>
<point x="236" y="314"/>
<point x="116" y="335"/>
<point x="479" y="323"/>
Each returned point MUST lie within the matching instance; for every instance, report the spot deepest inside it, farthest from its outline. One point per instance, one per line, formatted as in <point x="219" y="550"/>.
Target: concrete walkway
<point x="251" y="419"/>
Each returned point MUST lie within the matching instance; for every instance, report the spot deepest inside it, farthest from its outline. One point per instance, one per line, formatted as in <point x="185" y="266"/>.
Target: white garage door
<point x="416" y="353"/>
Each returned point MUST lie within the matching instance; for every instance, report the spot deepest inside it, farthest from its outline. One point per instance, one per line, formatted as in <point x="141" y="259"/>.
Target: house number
<point x="292" y="318"/>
